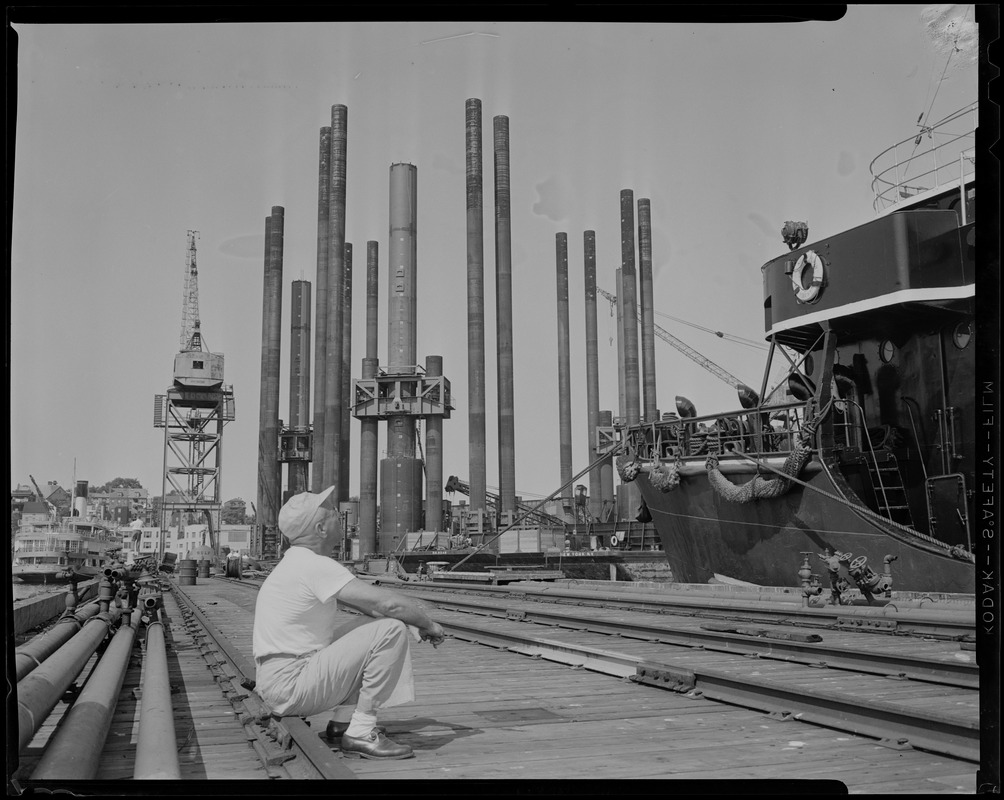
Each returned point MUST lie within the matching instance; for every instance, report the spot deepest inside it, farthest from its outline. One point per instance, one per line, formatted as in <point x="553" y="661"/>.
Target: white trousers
<point x="367" y="666"/>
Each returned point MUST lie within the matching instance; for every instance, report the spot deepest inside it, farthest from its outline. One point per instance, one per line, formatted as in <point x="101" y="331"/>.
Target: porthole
<point x="962" y="335"/>
<point x="808" y="365"/>
<point x="886" y="351"/>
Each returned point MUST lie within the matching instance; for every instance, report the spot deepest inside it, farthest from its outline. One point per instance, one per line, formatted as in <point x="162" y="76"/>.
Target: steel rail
<point x="954" y="673"/>
<point x="904" y="619"/>
<point x="887" y="722"/>
<point x="291" y="732"/>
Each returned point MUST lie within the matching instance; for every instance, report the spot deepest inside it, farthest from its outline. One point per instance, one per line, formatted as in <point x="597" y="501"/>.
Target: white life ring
<point x="810" y="293"/>
<point x="614" y="541"/>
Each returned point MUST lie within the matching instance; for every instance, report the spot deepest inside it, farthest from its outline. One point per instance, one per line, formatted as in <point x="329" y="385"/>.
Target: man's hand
<point x="434" y="633"/>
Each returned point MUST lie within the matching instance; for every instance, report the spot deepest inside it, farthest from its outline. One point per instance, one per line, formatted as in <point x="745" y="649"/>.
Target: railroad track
<point x="844" y="679"/>
<point x="288" y="747"/>
<point x="914" y="617"/>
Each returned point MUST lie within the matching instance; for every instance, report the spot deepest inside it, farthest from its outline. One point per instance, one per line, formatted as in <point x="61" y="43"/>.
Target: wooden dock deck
<point x="484" y="713"/>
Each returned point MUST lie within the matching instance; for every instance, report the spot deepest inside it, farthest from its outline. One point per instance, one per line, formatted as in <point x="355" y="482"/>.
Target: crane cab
<point x="198" y="369"/>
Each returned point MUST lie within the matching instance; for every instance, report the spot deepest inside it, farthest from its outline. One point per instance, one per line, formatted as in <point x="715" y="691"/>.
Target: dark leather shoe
<point x="336" y="730"/>
<point x="376" y="745"/>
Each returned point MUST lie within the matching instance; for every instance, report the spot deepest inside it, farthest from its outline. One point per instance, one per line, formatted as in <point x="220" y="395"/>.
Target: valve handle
<point x="859" y="562"/>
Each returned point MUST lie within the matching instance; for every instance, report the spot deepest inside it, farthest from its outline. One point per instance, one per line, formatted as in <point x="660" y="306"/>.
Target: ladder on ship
<point x="890" y="493"/>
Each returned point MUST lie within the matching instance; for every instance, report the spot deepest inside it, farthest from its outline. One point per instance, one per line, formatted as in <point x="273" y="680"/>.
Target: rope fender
<point x="665" y="479"/>
<point x="759" y="487"/>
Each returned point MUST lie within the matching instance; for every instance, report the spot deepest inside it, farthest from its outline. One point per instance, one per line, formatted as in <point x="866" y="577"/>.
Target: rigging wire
<point x="922" y="120"/>
<point x="727" y="336"/>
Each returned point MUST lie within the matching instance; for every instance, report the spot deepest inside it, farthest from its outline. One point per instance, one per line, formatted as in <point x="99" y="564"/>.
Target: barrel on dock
<point x="186" y="572"/>
<point x="204" y="569"/>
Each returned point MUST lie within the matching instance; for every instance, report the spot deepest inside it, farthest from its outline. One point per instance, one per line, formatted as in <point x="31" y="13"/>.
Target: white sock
<point x="361" y="724"/>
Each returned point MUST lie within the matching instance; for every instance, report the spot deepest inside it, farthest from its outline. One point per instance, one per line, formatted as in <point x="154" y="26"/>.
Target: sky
<point x="129" y="135"/>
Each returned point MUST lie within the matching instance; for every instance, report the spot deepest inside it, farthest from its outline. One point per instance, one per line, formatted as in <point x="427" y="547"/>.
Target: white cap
<point x="303" y="511"/>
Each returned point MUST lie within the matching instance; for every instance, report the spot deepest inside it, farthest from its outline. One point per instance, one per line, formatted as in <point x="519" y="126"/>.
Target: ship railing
<point x="939" y="155"/>
<point x="48" y="543"/>
<point x="767" y="430"/>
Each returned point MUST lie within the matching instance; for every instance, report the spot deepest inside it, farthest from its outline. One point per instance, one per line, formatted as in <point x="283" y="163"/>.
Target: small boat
<point x="862" y="446"/>
<point x="70" y="550"/>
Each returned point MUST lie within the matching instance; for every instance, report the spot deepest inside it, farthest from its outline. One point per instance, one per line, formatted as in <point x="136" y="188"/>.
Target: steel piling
<point x="321" y="308"/>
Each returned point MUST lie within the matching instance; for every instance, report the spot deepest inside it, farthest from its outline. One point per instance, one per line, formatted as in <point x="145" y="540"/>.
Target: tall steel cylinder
<point x="269" y="468"/>
<point x="299" y="377"/>
<point x="401" y="471"/>
<point x="592" y="371"/>
<point x="321" y="310"/>
<point x="476" y="413"/>
<point x="346" y="383"/>
<point x="649" y="405"/>
<point x="503" y="313"/>
<point x="564" y="376"/>
<point x="629" y="290"/>
<point x="156" y="745"/>
<point x="619" y="308"/>
<point x="372" y="298"/>
<point x="75" y="749"/>
<point x="369" y="429"/>
<point x="368" y="467"/>
<point x="434" y="457"/>
<point x="333" y="396"/>
<point x="606" y="475"/>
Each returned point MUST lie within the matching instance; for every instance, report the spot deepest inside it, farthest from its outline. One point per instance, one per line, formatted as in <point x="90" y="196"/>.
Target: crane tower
<point x="193" y="412"/>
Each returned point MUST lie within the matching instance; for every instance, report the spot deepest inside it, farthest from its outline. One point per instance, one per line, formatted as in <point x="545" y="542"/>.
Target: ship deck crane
<point x="744" y="390"/>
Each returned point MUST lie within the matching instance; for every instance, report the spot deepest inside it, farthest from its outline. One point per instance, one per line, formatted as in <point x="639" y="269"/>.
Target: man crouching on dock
<point x="306" y="662"/>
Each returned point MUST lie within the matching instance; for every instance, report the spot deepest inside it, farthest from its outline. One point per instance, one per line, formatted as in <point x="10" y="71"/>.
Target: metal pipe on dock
<point x="592" y="371"/>
<point x="269" y="468"/>
<point x="299" y="378"/>
<point x="369" y="427"/>
<point x="321" y="309"/>
<point x="401" y="471"/>
<point x="346" y="383"/>
<point x="476" y="415"/>
<point x="564" y="376"/>
<point x="156" y="746"/>
<point x="32" y="653"/>
<point x="434" y="457"/>
<point x="332" y="439"/>
<point x="646" y="285"/>
<point x="75" y="748"/>
<point x="503" y="305"/>
<point x="39" y="692"/>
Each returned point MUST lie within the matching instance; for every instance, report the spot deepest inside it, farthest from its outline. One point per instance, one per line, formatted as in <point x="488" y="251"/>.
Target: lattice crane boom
<point x="191" y="338"/>
<point x="686" y="349"/>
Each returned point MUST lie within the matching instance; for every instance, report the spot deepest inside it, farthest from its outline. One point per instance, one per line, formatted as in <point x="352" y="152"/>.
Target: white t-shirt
<point x="296" y="608"/>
